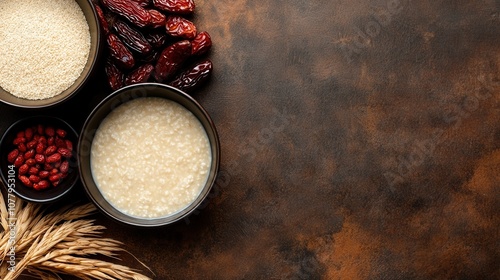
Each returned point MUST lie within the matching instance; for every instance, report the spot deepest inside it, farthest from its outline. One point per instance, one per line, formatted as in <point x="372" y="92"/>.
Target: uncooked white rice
<point x="150" y="157"/>
<point x="44" y="46"/>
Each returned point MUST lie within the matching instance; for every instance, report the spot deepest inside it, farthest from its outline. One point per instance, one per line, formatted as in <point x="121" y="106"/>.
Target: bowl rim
<point x="93" y="62"/>
<point x="67" y="189"/>
<point x="189" y="209"/>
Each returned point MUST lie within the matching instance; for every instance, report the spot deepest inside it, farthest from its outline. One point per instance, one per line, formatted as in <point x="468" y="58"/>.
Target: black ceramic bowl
<point x="95" y="50"/>
<point x="103" y="109"/>
<point x="10" y="175"/>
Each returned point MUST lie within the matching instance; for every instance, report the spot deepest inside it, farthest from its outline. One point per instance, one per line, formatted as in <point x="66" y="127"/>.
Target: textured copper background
<point x="360" y="140"/>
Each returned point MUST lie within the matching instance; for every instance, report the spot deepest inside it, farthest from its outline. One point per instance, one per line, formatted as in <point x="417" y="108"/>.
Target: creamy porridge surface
<point x="150" y="157"/>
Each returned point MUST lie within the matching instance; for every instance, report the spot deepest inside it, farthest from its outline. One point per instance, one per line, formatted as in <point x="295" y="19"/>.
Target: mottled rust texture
<point x="360" y="140"/>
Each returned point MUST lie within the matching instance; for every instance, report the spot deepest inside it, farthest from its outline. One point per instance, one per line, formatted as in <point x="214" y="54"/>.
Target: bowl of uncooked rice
<point x="48" y="50"/>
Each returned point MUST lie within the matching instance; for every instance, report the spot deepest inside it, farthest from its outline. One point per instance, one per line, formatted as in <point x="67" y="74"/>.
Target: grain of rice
<point x="44" y="46"/>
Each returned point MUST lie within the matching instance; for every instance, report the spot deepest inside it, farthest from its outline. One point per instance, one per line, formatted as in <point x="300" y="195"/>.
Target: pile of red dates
<point x="153" y="41"/>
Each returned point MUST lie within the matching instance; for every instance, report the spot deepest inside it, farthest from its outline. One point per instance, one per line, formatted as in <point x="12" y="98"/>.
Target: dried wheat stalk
<point x="61" y="242"/>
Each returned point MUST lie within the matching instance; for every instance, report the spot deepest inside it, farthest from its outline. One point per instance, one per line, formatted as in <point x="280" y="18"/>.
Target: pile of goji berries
<point x="41" y="156"/>
<point x="152" y="40"/>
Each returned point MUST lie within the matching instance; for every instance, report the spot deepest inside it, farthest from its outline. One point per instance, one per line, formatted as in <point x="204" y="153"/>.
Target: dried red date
<point x="64" y="168"/>
<point x="201" y="44"/>
<point x="50" y="131"/>
<point x="39" y="158"/>
<point x="11" y="157"/>
<point x="33" y="170"/>
<point x="44" y="174"/>
<point x="157" y="19"/>
<point x="53" y="158"/>
<point x="19" y="140"/>
<point x="50" y="150"/>
<point x="34" y="178"/>
<point x="23" y="169"/>
<point x="22" y="147"/>
<point x="64" y="152"/>
<point x="26" y="181"/>
<point x="43" y="184"/>
<point x="178" y="26"/>
<point x="171" y="59"/>
<point x="193" y="77"/>
<point x="28" y="133"/>
<point x="19" y="161"/>
<point x="61" y="132"/>
<point x="40" y="129"/>
<point x="40" y="148"/>
<point x="132" y="38"/>
<point x="115" y="76"/>
<point x="42" y="140"/>
<point x="29" y="154"/>
<point x="119" y="52"/>
<point x="102" y="20"/>
<point x="31" y="144"/>
<point x="156" y="39"/>
<point x="175" y="6"/>
<point x="31" y="162"/>
<point x="69" y="145"/>
<point x="139" y="75"/>
<point x="130" y="10"/>
<point x="55" y="177"/>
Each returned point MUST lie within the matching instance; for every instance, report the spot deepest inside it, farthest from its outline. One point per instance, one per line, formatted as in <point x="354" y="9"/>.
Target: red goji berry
<point x="11" y="157"/>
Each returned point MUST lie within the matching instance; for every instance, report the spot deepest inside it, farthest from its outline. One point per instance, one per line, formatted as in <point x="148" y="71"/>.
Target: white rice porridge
<point x="150" y="157"/>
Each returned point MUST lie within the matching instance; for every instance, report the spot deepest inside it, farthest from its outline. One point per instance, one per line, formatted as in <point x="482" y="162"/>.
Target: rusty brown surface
<point x="360" y="140"/>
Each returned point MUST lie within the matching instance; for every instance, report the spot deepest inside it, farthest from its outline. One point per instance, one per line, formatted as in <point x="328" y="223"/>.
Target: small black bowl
<point x="9" y="173"/>
<point x="114" y="100"/>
